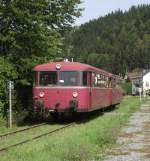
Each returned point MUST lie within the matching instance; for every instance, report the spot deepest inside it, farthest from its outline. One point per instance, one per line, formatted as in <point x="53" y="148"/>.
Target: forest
<point x="33" y="32"/>
<point x="118" y="42"/>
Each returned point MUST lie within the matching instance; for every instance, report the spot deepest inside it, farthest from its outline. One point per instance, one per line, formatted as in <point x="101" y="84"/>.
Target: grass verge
<point x="85" y="141"/>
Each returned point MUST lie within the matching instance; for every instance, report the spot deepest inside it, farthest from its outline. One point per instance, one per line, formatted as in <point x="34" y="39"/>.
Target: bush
<point x="21" y="96"/>
<point x="7" y="73"/>
<point x="127" y="87"/>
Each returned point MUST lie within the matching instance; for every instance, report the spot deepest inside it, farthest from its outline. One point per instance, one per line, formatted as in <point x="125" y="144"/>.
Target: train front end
<point x="59" y="88"/>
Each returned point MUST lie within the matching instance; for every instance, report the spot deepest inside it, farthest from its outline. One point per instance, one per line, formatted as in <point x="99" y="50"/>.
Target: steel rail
<point x="36" y="137"/>
<point x="25" y="129"/>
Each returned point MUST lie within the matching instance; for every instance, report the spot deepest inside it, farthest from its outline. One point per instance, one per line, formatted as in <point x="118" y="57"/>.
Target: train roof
<point x="69" y="66"/>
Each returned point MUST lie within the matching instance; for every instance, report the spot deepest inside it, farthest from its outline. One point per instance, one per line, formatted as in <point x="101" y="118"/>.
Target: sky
<point x="97" y="8"/>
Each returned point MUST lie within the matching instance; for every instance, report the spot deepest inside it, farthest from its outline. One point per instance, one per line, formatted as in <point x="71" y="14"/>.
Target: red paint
<point x="68" y="66"/>
<point x="63" y="96"/>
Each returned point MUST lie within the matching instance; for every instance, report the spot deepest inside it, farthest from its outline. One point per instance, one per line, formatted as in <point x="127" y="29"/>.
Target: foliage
<point x="127" y="87"/>
<point x="7" y="73"/>
<point x="118" y="42"/>
<point x="31" y="32"/>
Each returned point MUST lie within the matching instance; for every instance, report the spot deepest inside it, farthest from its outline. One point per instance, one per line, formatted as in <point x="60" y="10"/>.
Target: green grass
<point x="85" y="141"/>
<point x="2" y="121"/>
<point x="18" y="137"/>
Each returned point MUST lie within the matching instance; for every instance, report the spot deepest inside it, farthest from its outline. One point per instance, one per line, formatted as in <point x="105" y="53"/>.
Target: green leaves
<point x="31" y="32"/>
<point x="34" y="28"/>
<point x="7" y="72"/>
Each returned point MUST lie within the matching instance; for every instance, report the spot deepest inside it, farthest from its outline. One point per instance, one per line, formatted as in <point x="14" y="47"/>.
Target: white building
<point x="146" y="82"/>
<point x="140" y="80"/>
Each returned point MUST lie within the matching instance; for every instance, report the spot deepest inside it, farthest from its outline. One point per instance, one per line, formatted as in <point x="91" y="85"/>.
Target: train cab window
<point x="68" y="78"/>
<point x="48" y="78"/>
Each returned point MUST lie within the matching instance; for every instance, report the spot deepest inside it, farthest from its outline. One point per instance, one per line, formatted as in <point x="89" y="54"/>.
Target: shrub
<point x="127" y="87"/>
<point x="7" y="73"/>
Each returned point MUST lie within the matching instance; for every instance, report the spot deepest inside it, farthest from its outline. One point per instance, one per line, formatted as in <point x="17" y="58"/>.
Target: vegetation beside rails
<point x="26" y="135"/>
<point x="2" y="122"/>
<point x="89" y="140"/>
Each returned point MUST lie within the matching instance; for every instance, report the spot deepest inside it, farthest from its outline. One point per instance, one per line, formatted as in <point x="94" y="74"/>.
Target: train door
<point x="110" y="90"/>
<point x="100" y="93"/>
<point x="90" y="89"/>
<point x="93" y="91"/>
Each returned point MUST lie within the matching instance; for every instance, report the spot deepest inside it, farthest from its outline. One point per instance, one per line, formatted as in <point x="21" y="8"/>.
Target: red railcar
<point x="74" y="87"/>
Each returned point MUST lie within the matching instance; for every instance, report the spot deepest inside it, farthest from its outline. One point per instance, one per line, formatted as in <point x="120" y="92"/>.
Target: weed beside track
<point x="34" y="138"/>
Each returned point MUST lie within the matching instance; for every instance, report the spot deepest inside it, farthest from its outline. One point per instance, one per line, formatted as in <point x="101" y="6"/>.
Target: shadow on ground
<point x="78" y="118"/>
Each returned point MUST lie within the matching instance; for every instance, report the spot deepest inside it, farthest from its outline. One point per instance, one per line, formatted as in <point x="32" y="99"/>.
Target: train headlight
<point x="41" y="94"/>
<point x="58" y="66"/>
<point x="75" y="94"/>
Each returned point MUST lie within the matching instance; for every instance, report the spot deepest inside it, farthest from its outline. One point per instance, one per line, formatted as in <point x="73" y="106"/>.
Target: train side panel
<point x="104" y="97"/>
<point x="116" y="96"/>
<point x="100" y="97"/>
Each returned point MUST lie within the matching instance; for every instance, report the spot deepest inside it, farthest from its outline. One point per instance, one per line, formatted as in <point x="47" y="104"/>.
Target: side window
<point x="113" y="82"/>
<point x="106" y="82"/>
<point x="94" y="80"/>
<point x="109" y="83"/>
<point x="101" y="80"/>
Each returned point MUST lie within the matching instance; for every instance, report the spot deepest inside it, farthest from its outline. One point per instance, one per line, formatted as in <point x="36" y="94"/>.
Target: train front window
<point x="48" y="78"/>
<point x="68" y="78"/>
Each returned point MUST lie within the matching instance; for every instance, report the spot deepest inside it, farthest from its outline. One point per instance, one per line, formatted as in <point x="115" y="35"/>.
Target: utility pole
<point x="11" y="86"/>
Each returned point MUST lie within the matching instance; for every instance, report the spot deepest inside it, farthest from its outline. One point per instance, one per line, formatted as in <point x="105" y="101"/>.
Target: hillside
<point x="118" y="42"/>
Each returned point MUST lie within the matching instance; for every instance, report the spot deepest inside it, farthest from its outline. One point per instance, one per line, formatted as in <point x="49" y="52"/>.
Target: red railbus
<point x="62" y="87"/>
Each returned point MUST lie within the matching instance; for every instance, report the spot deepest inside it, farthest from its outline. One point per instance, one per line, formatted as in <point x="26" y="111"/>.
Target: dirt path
<point x="134" y="141"/>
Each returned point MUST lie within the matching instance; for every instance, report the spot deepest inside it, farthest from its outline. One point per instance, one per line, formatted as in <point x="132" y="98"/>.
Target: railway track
<point x="36" y="137"/>
<point x="21" y="130"/>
